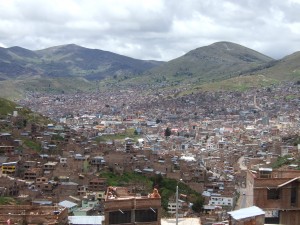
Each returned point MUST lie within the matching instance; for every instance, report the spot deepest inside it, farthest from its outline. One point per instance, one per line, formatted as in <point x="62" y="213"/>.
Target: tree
<point x="158" y="121"/>
<point x="197" y="204"/>
<point x="167" y="132"/>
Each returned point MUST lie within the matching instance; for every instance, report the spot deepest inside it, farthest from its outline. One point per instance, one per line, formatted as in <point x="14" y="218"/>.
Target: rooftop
<point x="246" y="213"/>
<point x="181" y="221"/>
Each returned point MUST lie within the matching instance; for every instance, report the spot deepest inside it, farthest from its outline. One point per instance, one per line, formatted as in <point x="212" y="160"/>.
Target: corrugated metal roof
<point x="80" y="220"/>
<point x="67" y="204"/>
<point x="246" y="212"/>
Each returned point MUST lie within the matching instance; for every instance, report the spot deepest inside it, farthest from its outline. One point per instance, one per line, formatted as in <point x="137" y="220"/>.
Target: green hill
<point x="6" y="107"/>
<point x="219" y="61"/>
<point x="68" y="61"/>
<point x="286" y="69"/>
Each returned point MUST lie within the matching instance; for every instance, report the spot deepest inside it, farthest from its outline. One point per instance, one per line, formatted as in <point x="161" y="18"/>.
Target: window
<point x="273" y="194"/>
<point x="119" y="217"/>
<point x="293" y="195"/>
<point x="146" y="215"/>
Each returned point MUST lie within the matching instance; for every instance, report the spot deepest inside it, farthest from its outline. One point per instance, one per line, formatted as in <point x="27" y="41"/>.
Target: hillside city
<point x="224" y="151"/>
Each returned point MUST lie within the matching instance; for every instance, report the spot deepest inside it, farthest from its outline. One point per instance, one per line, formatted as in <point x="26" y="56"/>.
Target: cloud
<point x="156" y="29"/>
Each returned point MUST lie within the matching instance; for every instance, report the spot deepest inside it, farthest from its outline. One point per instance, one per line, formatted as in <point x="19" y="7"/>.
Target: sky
<point x="152" y="29"/>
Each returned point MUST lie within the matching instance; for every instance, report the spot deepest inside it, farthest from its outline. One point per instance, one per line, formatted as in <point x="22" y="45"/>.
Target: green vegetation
<point x="291" y="97"/>
<point x="130" y="133"/>
<point x="7" y="201"/>
<point x="57" y="137"/>
<point x="242" y="83"/>
<point x="138" y="180"/>
<point x="166" y="187"/>
<point x="284" y="160"/>
<point x="6" y="107"/>
<point x="32" y="145"/>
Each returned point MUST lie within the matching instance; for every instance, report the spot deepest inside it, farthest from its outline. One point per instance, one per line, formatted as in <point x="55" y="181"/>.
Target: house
<point x="7" y="150"/>
<point x="221" y="200"/>
<point x="172" y="207"/>
<point x="71" y="206"/>
<point x="9" y="168"/>
<point x="50" y="166"/>
<point x="32" y="173"/>
<point x="43" y="184"/>
<point x="97" y="184"/>
<point x="277" y="192"/>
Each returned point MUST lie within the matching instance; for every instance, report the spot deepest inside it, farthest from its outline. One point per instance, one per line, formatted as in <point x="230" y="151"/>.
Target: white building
<point x="221" y="200"/>
<point x="172" y="206"/>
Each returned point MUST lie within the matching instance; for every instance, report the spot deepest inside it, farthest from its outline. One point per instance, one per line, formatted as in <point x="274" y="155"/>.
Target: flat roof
<point x="265" y="169"/>
<point x="246" y="212"/>
<point x="181" y="221"/>
<point x="67" y="204"/>
<point x="95" y="220"/>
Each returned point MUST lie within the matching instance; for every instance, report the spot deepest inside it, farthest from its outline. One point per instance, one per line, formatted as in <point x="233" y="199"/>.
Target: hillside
<point x="219" y="61"/>
<point x="68" y="61"/>
<point x="14" y="89"/>
<point x="7" y="107"/>
<point x="286" y="69"/>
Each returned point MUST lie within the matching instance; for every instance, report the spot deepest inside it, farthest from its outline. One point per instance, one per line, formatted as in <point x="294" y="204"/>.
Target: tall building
<point x="123" y="207"/>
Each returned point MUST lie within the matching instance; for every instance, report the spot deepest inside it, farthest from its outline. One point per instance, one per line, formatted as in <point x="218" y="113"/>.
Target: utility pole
<point x="177" y="204"/>
<point x="177" y="201"/>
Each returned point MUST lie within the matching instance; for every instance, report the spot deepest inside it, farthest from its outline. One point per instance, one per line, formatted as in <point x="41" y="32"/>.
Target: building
<point x="85" y="220"/>
<point x="247" y="216"/>
<point x="123" y="207"/>
<point x="71" y="206"/>
<point x="97" y="184"/>
<point x="9" y="168"/>
<point x="221" y="200"/>
<point x="172" y="207"/>
<point x="277" y="192"/>
<point x="33" y="214"/>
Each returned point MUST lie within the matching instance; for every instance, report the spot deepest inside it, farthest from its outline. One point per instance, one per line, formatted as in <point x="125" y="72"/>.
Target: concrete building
<point x="33" y="214"/>
<point x="123" y="207"/>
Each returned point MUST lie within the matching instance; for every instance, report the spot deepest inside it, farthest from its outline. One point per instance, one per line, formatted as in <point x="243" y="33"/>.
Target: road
<point x="241" y="163"/>
<point x="241" y="202"/>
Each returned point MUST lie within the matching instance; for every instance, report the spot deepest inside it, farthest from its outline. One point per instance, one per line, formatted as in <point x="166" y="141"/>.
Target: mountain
<point x="72" y="68"/>
<point x="217" y="61"/>
<point x="68" y="61"/>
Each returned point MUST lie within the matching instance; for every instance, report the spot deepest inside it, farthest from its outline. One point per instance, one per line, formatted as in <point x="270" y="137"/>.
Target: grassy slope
<point x="16" y="89"/>
<point x="287" y="69"/>
<point x="6" y="106"/>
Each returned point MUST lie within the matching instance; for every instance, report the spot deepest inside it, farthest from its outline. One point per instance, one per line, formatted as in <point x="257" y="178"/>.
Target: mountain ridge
<point x="44" y="70"/>
<point x="69" y="61"/>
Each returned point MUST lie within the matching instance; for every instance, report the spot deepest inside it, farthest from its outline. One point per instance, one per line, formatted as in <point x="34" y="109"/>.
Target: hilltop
<point x="218" y="61"/>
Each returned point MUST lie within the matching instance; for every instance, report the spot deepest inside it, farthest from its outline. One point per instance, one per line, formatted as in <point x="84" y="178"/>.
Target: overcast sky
<point x="152" y="29"/>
